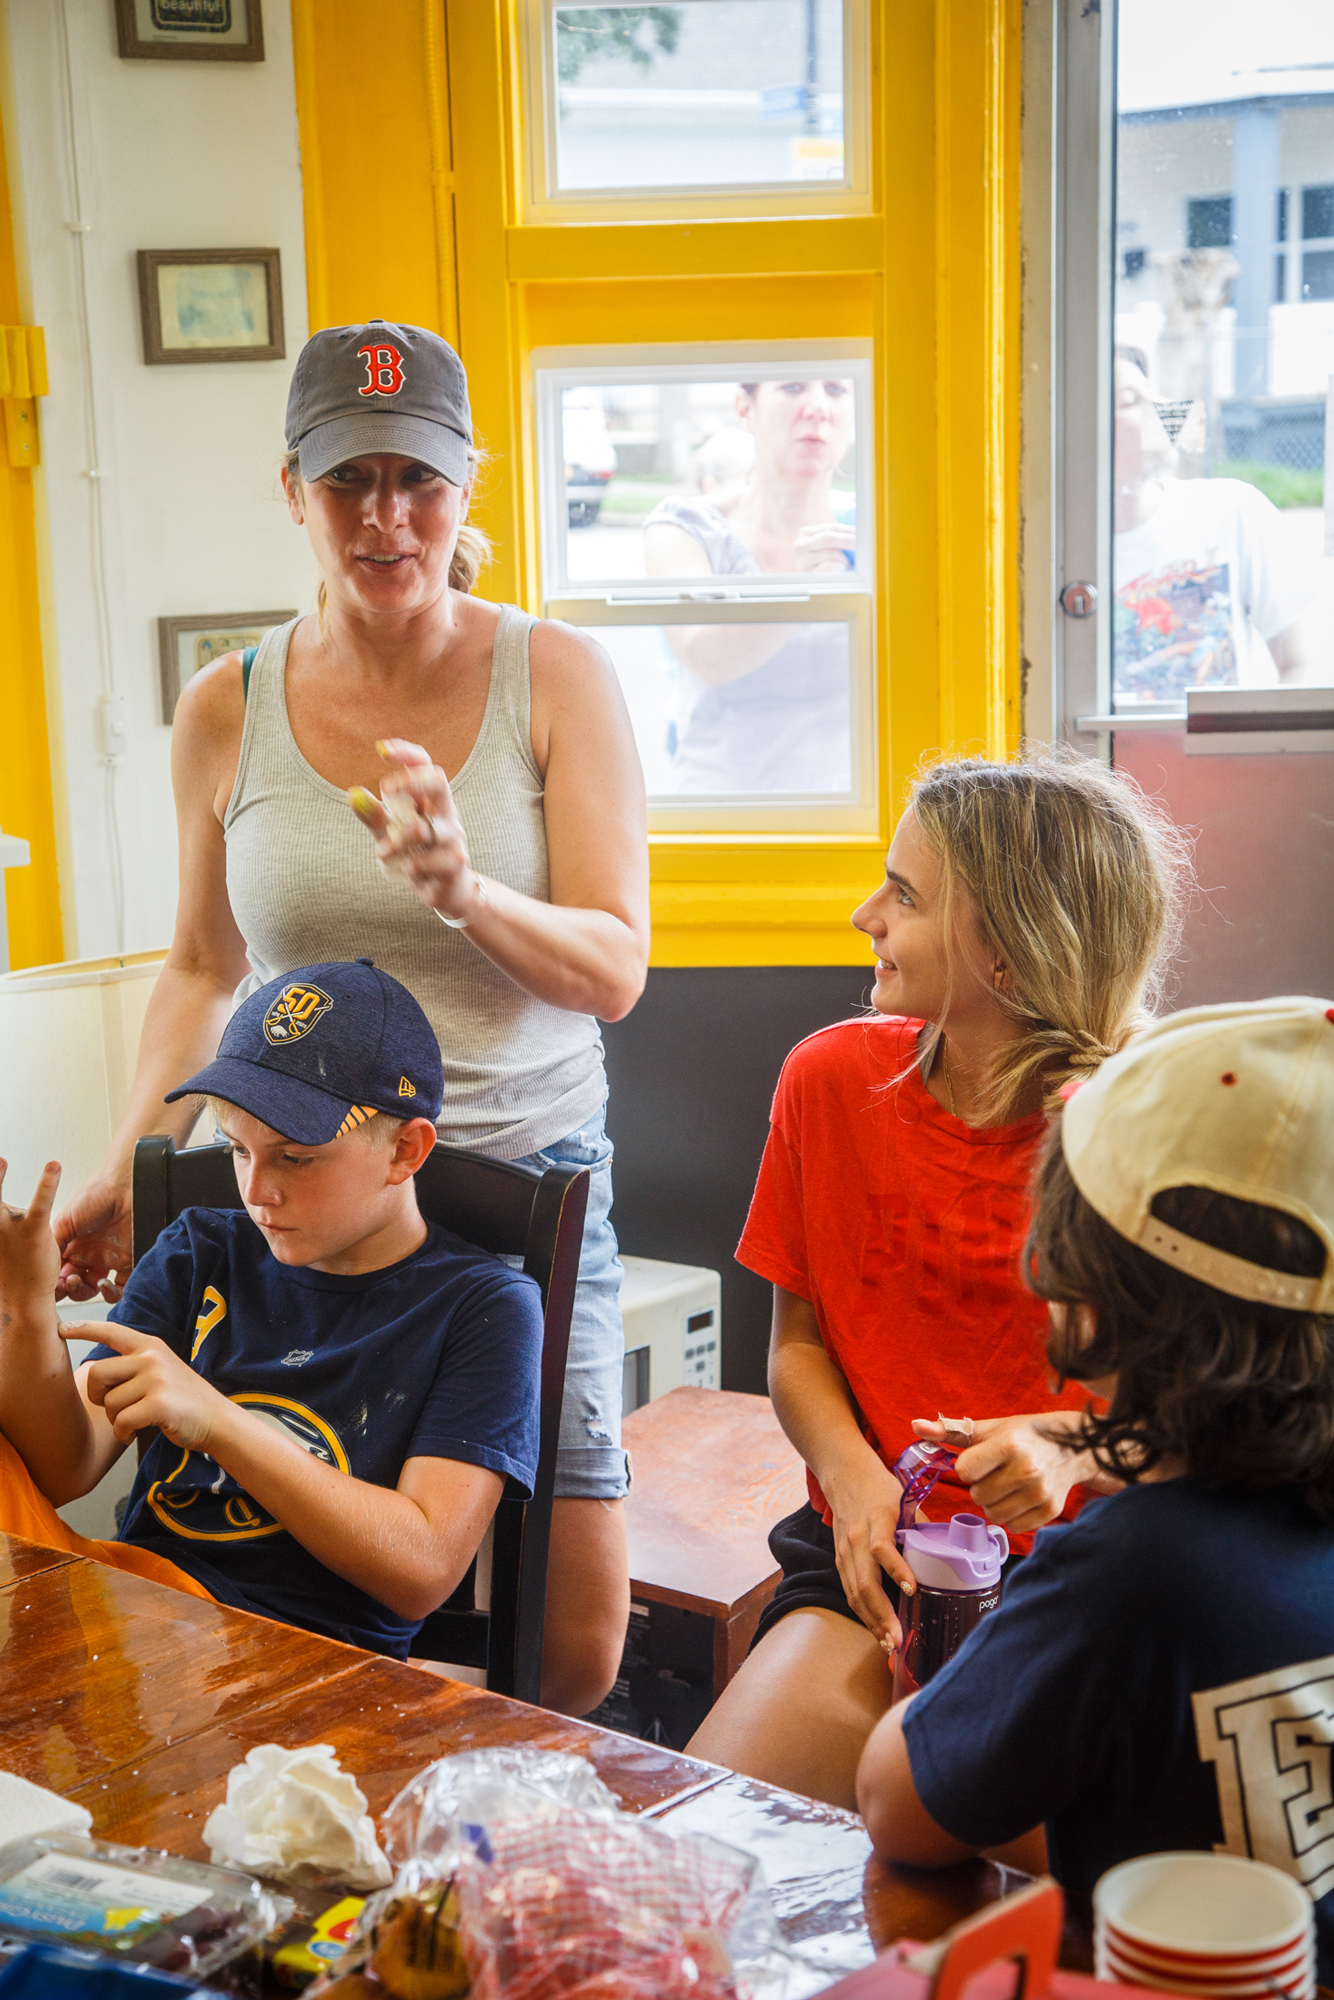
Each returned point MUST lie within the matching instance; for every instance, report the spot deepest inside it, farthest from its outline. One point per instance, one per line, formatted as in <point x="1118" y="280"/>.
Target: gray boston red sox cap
<point x="379" y="387"/>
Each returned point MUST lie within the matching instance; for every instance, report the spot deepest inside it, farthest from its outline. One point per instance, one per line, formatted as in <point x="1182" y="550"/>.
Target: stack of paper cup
<point x="1205" y="1924"/>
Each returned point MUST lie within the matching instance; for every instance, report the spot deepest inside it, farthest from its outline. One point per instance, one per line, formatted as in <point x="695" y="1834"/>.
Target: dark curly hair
<point x="1234" y="1393"/>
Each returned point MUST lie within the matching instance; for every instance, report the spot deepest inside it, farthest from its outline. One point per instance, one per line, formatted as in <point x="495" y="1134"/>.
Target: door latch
<point x="1079" y="599"/>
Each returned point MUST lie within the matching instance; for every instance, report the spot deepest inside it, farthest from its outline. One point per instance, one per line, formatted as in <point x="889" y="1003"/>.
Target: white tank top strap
<point x="265" y="710"/>
<point x="511" y="676"/>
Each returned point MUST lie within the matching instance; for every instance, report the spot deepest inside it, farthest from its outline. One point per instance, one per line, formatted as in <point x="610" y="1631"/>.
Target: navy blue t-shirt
<point x="1159" y="1675"/>
<point x="437" y="1356"/>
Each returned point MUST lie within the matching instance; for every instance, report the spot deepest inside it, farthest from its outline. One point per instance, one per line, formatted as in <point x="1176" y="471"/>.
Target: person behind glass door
<point x="524" y="918"/>
<point x="772" y="712"/>
<point x="1207" y="582"/>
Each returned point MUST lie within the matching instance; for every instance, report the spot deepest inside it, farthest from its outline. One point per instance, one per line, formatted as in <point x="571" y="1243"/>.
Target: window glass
<point x="707" y="513"/>
<point x="1224" y="346"/>
<point x="675" y="474"/>
<point x="699" y="93"/>
<point x="740" y="712"/>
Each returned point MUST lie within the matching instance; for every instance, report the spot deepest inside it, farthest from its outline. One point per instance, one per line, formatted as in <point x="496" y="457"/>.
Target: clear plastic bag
<point x="555" y="1894"/>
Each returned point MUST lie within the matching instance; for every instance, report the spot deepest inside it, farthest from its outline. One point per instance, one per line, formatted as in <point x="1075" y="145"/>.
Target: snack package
<point x="308" y="1946"/>
<point x="131" y="1903"/>
<point x="519" y="1878"/>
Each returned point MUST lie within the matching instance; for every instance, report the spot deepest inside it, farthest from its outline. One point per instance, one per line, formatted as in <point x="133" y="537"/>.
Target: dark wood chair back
<point x="511" y="1212"/>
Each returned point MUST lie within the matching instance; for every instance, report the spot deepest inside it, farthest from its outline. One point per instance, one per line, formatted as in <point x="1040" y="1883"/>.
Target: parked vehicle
<point x="590" y="456"/>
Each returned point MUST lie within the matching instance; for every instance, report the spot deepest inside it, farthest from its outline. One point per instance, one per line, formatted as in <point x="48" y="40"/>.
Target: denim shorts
<point x="591" y="1464"/>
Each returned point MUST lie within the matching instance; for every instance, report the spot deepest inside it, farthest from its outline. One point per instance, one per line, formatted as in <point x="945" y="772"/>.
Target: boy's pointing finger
<point x="106" y="1332"/>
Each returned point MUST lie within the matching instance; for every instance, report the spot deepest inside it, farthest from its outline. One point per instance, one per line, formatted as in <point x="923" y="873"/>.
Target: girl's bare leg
<point x="800" y="1710"/>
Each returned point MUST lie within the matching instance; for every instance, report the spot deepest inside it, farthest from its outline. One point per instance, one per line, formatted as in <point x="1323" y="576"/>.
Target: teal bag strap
<point x="247" y="662"/>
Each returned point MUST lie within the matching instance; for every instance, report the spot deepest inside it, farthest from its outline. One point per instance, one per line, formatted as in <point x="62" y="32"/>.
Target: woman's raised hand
<point x="828" y="545"/>
<point x="93" y="1234"/>
<point x="418" y="832"/>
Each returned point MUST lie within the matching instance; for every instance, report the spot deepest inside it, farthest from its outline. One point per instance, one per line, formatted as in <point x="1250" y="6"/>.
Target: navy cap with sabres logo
<point x="375" y="387"/>
<point x="320" y="1050"/>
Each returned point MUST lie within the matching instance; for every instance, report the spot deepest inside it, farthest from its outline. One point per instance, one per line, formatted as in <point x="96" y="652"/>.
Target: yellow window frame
<point x="413" y="154"/>
<point x="543" y="202"/>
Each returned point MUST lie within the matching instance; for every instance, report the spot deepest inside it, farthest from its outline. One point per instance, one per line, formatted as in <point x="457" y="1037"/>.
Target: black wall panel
<point x="692" y="1074"/>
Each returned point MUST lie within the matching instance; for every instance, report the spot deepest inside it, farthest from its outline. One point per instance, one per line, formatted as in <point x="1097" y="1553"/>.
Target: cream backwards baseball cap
<point x="1239" y="1099"/>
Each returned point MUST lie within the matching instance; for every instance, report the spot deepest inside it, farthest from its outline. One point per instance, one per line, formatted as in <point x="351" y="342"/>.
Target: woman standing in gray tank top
<point x="513" y="896"/>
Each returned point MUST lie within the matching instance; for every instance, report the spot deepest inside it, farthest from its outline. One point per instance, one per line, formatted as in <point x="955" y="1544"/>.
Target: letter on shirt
<point x="1269" y="1740"/>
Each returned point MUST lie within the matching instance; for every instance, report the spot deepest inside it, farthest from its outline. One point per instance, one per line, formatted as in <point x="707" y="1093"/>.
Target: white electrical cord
<point x="93" y="473"/>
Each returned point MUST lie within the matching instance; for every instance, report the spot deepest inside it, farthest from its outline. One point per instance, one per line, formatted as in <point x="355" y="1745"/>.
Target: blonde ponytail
<point x="1079" y="885"/>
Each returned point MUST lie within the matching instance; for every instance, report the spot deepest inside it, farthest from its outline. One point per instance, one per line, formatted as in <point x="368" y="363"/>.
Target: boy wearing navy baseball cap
<point x="337" y="1389"/>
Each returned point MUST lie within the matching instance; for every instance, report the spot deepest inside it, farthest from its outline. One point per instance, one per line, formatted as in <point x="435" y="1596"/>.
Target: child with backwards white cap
<point x="1160" y="1673"/>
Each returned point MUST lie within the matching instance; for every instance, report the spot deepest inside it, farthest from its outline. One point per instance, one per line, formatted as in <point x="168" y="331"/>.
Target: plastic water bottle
<point x="957" y="1564"/>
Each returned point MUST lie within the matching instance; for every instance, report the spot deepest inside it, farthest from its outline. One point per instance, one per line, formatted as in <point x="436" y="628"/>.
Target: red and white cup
<point x="1210" y="1926"/>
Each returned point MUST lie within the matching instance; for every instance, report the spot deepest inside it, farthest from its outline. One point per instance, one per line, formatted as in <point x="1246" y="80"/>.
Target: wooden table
<point x="137" y="1701"/>
<point x="712" y="1473"/>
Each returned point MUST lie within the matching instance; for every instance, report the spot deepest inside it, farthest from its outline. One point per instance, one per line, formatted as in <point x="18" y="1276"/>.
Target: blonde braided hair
<point x="1079" y="884"/>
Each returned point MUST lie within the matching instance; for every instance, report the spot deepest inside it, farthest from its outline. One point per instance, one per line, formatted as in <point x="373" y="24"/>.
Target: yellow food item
<point x="298" y="1963"/>
<point x="416" y="1950"/>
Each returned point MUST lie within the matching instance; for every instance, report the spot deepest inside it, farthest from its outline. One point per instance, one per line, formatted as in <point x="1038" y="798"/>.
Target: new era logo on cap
<point x="322" y="1049"/>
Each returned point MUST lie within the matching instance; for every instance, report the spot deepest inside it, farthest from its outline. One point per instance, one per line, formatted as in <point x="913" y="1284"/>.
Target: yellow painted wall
<point x="410" y="147"/>
<point x="33" y="893"/>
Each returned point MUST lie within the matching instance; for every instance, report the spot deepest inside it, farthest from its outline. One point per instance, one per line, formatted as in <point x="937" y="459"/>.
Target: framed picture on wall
<point x="188" y="643"/>
<point x="191" y="30"/>
<point x="211" y="305"/>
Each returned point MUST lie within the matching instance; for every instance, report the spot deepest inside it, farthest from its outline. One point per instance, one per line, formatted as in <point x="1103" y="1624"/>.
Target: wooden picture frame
<point x="191" y="30"/>
<point x="222" y="632"/>
<point x="180" y="312"/>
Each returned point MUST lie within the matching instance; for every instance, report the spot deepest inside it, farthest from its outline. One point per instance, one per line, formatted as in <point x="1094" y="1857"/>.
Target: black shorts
<point x="803" y="1547"/>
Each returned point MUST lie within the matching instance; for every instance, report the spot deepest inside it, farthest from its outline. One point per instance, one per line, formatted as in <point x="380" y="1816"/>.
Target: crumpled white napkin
<point x="289" y="1809"/>
<point x="27" y="1809"/>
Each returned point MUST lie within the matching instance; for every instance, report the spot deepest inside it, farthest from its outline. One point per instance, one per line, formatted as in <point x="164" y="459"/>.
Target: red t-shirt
<point x="903" y="1227"/>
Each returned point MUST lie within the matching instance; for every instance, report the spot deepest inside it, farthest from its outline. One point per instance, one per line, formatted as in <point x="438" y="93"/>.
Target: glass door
<point x="1215" y="659"/>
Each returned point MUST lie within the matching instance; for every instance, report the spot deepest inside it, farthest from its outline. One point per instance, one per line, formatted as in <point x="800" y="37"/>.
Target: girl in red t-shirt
<point x="1026" y="913"/>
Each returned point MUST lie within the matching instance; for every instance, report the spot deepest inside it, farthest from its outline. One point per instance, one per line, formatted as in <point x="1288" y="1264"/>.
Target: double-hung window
<point x="707" y="516"/>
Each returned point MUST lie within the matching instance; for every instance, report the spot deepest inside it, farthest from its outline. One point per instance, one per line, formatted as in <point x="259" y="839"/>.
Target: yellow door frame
<point x="27" y="806"/>
<point x="410" y="138"/>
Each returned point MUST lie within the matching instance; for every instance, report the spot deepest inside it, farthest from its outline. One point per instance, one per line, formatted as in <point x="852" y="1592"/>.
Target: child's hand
<point x="144" y="1385"/>
<point x="865" y="1518"/>
<point x="1020" y="1478"/>
<point x="29" y="1258"/>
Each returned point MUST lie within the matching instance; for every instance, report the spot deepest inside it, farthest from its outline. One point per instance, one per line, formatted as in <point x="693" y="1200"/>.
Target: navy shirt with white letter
<point x="1159" y="1675"/>
<point x="437" y="1356"/>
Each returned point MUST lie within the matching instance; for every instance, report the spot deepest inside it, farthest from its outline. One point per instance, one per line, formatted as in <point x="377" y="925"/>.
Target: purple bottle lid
<point x="964" y="1553"/>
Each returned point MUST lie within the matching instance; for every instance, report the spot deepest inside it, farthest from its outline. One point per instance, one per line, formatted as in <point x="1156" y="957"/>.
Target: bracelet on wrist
<point x="462" y="923"/>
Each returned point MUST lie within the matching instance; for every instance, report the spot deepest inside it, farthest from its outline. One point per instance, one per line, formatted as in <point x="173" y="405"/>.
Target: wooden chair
<point x="504" y="1209"/>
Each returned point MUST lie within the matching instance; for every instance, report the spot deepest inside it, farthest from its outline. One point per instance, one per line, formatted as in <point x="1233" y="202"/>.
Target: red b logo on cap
<point x="384" y="370"/>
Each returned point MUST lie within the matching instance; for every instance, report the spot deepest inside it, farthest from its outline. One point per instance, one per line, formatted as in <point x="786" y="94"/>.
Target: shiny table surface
<point x="137" y="1701"/>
